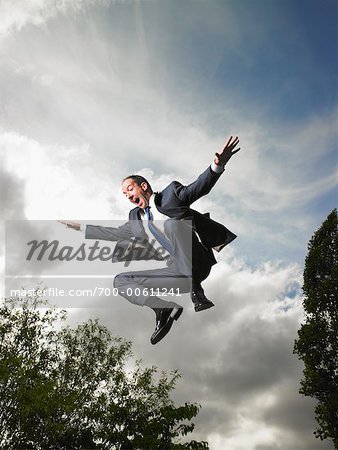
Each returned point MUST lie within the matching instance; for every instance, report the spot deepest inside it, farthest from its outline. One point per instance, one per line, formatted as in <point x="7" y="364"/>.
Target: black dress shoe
<point x="164" y="320"/>
<point x="200" y="301"/>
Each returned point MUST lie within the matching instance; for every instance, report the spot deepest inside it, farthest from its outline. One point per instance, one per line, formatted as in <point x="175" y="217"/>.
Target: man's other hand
<point x="69" y="224"/>
<point x="228" y="151"/>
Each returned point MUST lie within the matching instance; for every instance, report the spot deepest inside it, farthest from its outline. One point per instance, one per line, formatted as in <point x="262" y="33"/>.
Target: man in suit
<point x="189" y="238"/>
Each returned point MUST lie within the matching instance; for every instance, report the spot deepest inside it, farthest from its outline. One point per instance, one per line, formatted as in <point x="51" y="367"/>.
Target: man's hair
<point x="139" y="179"/>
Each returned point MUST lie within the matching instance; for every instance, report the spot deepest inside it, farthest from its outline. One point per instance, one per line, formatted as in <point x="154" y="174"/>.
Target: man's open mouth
<point x="137" y="200"/>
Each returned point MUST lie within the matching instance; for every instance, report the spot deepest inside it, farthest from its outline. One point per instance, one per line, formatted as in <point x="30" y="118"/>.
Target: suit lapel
<point x="136" y="223"/>
<point x="158" y="201"/>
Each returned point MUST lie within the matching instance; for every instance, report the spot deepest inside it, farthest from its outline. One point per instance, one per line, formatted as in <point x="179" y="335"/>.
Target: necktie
<point x="158" y="235"/>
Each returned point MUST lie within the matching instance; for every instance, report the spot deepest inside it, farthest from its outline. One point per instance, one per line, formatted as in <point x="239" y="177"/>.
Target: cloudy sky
<point x="93" y="90"/>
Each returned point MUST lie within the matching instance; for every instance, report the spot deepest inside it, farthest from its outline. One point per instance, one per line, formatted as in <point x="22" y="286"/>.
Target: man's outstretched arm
<point x="206" y="181"/>
<point x="99" y="232"/>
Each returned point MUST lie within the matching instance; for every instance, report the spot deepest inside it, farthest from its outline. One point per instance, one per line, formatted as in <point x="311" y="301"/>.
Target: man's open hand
<point x="228" y="151"/>
<point x="69" y="224"/>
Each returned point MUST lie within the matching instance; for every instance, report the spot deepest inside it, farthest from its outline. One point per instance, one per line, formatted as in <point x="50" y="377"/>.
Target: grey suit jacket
<point x="174" y="201"/>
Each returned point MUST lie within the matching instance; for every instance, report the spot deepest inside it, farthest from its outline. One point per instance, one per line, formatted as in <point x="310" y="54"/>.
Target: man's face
<point x="138" y="195"/>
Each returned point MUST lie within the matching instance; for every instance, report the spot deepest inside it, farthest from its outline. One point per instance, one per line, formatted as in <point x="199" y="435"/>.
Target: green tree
<point x="317" y="343"/>
<point x="64" y="388"/>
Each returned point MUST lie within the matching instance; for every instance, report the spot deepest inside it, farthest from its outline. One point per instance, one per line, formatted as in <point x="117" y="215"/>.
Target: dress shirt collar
<point x="152" y="202"/>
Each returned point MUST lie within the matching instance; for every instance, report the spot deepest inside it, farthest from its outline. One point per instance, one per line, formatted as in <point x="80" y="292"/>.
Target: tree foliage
<point x="64" y="388"/>
<point x="317" y="343"/>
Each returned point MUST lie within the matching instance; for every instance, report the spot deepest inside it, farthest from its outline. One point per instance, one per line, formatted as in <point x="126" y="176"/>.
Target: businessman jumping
<point x="188" y="239"/>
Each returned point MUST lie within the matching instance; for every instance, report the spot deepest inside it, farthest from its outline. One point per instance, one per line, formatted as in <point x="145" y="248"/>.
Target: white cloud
<point x="15" y="14"/>
<point x="56" y="182"/>
<point x="248" y="434"/>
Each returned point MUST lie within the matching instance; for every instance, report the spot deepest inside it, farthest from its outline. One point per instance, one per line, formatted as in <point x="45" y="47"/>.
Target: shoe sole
<point x="204" y="307"/>
<point x="175" y="314"/>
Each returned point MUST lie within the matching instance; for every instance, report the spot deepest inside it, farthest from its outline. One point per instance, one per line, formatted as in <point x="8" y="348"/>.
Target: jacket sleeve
<point x="108" y="233"/>
<point x="200" y="187"/>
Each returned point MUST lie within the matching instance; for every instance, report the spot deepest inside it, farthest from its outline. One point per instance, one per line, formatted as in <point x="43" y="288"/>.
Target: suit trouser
<point x="191" y="261"/>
